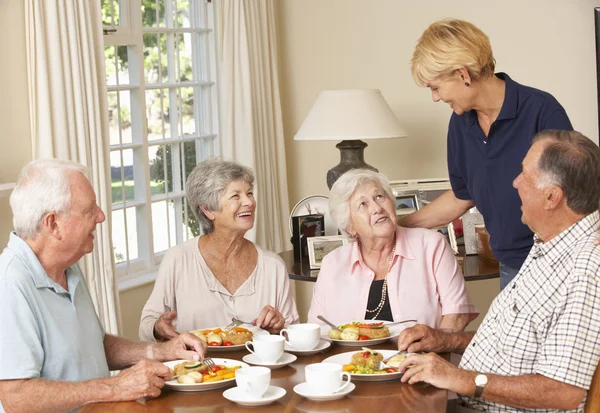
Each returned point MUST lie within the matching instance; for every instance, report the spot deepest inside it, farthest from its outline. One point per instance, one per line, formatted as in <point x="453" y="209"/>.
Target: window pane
<point x="122" y="179"/>
<point x="157" y="155"/>
<point x="183" y="42"/>
<point x="113" y="118"/>
<point x="124" y="235"/>
<point x="157" y="108"/>
<point x="123" y="65"/>
<point x="183" y="13"/>
<point x="186" y="97"/>
<point x="109" y="64"/>
<point x="163" y="225"/>
<point x="110" y="12"/>
<point x="155" y="58"/>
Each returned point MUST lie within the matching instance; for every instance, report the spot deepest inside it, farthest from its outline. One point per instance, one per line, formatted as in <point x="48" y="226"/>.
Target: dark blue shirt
<point x="483" y="168"/>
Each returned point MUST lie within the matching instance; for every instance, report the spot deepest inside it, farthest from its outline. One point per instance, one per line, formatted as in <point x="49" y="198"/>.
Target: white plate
<point x="283" y="361"/>
<point x="318" y="204"/>
<point x="172" y="384"/>
<point x="323" y="345"/>
<point x="303" y="390"/>
<point x="255" y="331"/>
<point x="346" y="358"/>
<point x="394" y="332"/>
<point x="238" y="396"/>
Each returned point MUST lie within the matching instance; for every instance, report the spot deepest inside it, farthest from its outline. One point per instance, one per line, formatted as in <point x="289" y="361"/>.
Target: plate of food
<point x="218" y="339"/>
<point x="361" y="333"/>
<point x="194" y="375"/>
<point x="362" y="365"/>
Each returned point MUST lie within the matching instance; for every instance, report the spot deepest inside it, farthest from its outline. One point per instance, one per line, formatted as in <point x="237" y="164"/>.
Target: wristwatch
<point x="481" y="381"/>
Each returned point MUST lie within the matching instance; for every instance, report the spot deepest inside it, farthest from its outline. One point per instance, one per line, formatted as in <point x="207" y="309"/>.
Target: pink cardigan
<point x="425" y="282"/>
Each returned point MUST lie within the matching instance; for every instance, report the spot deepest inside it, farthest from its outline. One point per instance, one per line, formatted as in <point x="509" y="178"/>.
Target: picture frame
<point x="319" y="247"/>
<point x="407" y="204"/>
<point x="452" y="238"/>
<point x="305" y="227"/>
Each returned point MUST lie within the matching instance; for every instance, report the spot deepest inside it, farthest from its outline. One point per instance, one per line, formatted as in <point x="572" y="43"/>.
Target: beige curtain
<point x="69" y="117"/>
<point x="251" y="128"/>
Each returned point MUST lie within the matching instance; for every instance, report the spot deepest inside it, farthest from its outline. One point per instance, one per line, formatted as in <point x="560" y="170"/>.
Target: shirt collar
<point x="38" y="274"/>
<point x="510" y="104"/>
<point x="402" y="249"/>
<point x="563" y="241"/>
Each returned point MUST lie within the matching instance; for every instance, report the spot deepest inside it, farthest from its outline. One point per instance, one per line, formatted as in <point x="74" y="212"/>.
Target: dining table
<point x="367" y="397"/>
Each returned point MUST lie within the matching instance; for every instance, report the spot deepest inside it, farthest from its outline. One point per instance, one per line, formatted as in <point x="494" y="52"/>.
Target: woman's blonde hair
<point x="448" y="45"/>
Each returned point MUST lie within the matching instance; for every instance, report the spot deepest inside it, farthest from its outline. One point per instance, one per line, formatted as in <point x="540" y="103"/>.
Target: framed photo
<point x="406" y="204"/>
<point x="304" y="227"/>
<point x="319" y="247"/>
<point x="452" y="238"/>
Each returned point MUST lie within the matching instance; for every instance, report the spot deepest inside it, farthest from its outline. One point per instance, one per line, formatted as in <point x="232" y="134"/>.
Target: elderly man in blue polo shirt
<point x="537" y="348"/>
<point x="55" y="355"/>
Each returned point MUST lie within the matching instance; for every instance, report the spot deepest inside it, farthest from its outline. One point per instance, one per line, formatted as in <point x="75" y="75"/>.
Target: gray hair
<point x="206" y="185"/>
<point x="345" y="186"/>
<point x="43" y="186"/>
<point x="572" y="162"/>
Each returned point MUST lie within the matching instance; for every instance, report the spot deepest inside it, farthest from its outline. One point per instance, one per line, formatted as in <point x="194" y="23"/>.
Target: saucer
<point x="236" y="395"/>
<point x="283" y="361"/>
<point x="323" y="344"/>
<point x="303" y="390"/>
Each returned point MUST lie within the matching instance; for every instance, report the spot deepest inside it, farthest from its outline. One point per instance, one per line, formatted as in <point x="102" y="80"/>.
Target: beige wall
<point x="15" y="143"/>
<point x="339" y="44"/>
<point x="345" y="44"/>
<point x="353" y="44"/>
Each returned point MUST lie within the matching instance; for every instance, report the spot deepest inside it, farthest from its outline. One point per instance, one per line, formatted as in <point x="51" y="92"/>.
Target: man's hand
<point x="431" y="368"/>
<point x="163" y="328"/>
<point x="144" y="379"/>
<point x="423" y="338"/>
<point x="270" y="319"/>
<point x="185" y="346"/>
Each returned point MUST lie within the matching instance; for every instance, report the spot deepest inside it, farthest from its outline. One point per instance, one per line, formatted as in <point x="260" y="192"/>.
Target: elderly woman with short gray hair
<point x="210" y="279"/>
<point x="389" y="273"/>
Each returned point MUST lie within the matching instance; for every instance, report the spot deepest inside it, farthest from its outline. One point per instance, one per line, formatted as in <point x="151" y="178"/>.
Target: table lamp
<point x="350" y="116"/>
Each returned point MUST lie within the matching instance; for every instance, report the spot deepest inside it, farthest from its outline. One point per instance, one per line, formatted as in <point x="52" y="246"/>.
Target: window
<point x="163" y="120"/>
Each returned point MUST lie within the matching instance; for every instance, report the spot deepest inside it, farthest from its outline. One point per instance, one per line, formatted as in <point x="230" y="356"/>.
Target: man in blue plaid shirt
<point x="539" y="344"/>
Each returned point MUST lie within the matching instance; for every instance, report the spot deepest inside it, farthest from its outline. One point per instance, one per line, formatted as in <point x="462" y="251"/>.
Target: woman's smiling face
<point x="372" y="213"/>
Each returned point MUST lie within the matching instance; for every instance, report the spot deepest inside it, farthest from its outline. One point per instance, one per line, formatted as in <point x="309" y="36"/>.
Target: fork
<point x="208" y="362"/>
<point x="235" y="323"/>
<point x="383" y="363"/>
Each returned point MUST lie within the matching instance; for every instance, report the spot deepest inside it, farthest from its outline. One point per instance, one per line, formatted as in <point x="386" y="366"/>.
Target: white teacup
<point x="267" y="348"/>
<point x="253" y="381"/>
<point x="303" y="336"/>
<point x="325" y="378"/>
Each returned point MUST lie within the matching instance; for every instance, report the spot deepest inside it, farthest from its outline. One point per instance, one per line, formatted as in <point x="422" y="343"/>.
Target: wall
<point x="15" y="143"/>
<point x="348" y="44"/>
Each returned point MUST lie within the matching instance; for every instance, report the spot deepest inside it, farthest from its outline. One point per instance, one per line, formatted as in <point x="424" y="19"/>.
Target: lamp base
<point x="352" y="157"/>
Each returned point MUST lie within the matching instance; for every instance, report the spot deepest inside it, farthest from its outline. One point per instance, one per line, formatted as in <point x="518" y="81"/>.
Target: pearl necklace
<point x="379" y="307"/>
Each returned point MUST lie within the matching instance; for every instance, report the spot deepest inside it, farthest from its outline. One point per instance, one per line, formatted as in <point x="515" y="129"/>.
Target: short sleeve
<point x="454" y="298"/>
<point x="570" y="352"/>
<point x="557" y="119"/>
<point x="457" y="182"/>
<point x="20" y="339"/>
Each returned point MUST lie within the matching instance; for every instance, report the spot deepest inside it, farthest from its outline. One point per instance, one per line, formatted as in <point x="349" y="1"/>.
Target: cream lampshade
<point x="350" y="116"/>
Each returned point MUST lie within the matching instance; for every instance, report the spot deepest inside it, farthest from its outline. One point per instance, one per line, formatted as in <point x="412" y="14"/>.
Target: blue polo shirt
<point x="483" y="168"/>
<point x="46" y="331"/>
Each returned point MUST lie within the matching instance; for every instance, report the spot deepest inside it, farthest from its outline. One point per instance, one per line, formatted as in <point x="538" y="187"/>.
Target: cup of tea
<point x="267" y="348"/>
<point x="253" y="381"/>
<point x="302" y="336"/>
<point x="325" y="378"/>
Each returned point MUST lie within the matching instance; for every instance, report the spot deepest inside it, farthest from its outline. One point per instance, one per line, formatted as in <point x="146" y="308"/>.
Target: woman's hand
<point x="270" y="319"/>
<point x="163" y="328"/>
<point x="185" y="346"/>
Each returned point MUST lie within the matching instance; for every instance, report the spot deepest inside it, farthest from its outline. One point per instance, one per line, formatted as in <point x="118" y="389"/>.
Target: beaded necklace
<point x="379" y="307"/>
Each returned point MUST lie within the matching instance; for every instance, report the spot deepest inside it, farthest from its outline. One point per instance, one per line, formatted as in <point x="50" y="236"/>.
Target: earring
<point x="467" y="84"/>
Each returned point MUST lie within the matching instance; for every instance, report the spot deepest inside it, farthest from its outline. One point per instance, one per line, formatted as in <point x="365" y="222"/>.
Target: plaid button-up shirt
<point x="547" y="320"/>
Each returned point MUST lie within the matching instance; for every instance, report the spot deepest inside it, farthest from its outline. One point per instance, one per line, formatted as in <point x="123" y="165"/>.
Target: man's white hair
<point x="43" y="187"/>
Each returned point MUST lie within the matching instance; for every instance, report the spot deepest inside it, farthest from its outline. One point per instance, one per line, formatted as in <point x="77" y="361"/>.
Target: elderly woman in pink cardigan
<point x="389" y="272"/>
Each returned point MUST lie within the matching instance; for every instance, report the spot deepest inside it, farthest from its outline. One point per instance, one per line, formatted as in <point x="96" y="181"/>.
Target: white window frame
<point x="130" y="32"/>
